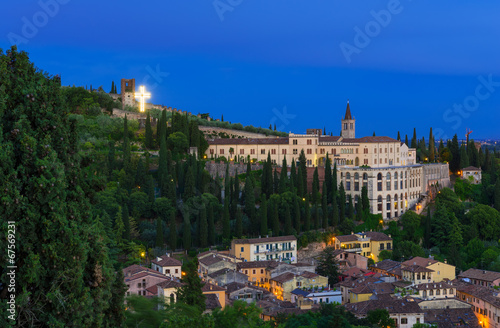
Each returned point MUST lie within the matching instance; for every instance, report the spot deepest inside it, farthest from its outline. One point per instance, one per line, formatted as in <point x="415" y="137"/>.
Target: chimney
<point x="445" y="261"/>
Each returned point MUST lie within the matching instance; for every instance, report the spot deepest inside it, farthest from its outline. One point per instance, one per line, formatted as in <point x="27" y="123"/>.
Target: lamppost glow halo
<point x="142" y="95"/>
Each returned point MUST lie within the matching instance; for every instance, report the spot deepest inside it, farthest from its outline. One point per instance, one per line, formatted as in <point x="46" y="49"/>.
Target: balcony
<point x="274" y="250"/>
<point x="352" y="250"/>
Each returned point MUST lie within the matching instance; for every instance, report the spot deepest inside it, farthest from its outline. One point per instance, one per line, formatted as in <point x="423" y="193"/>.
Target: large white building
<point x="385" y="166"/>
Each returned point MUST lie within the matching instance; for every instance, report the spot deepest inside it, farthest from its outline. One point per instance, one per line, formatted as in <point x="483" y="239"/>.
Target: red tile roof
<point x="249" y="141"/>
<point x="208" y="287"/>
<point x="477" y="274"/>
<point x="422" y="261"/>
<point x="166" y="261"/>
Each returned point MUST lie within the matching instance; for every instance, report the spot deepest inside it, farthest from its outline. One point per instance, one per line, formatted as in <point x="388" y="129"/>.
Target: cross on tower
<point x="142" y="95"/>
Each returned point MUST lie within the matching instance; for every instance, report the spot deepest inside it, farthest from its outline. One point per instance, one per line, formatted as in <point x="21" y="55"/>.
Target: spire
<point x="348" y="112"/>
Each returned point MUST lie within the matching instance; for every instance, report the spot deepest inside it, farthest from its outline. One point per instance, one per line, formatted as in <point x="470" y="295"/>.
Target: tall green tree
<point x="250" y="201"/>
<point x="275" y="221"/>
<point x="324" y="207"/>
<point x="307" y="217"/>
<point x="239" y="225"/>
<point x="328" y="179"/>
<point x="497" y="195"/>
<point x="327" y="266"/>
<point x="159" y="233"/>
<point x="283" y="177"/>
<point x="189" y="188"/>
<point x="226" y="227"/>
<point x="211" y="224"/>
<point x="186" y="233"/>
<point x="293" y="176"/>
<point x="303" y="170"/>
<point x="432" y="147"/>
<point x="190" y="293"/>
<point x="126" y="222"/>
<point x="288" y="221"/>
<point x="365" y="201"/>
<point x="173" y="231"/>
<point x="335" y="213"/>
<point x="203" y="227"/>
<point x="455" y="154"/>
<point x="315" y="186"/>
<point x="263" y="216"/>
<point x="342" y="202"/>
<point x="464" y="158"/>
<point x="64" y="274"/>
<point x="350" y="208"/>
<point x="149" y="133"/>
<point x="296" y="213"/>
<point x="414" y="139"/>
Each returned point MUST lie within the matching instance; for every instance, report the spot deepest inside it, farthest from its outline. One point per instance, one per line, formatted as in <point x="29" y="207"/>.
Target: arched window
<point x="348" y="176"/>
<point x="388" y="182"/>
<point x="365" y="176"/>
<point x="388" y="176"/>
<point x="356" y="163"/>
<point x="356" y="176"/>
<point x="395" y="175"/>
<point x="388" y="202"/>
<point x="172" y="298"/>
<point x="379" y="176"/>
<point x="401" y="175"/>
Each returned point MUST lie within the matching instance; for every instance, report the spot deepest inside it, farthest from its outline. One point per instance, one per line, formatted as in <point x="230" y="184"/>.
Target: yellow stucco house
<point x="283" y="285"/>
<point x="421" y="270"/>
<point x="368" y="244"/>
<point x="282" y="248"/>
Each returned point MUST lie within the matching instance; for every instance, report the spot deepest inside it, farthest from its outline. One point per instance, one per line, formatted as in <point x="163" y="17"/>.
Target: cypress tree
<point x="159" y="233"/>
<point x="350" y="208"/>
<point x="497" y="195"/>
<point x="300" y="184"/>
<point x="263" y="216"/>
<point x="406" y="140"/>
<point x="275" y="219"/>
<point x="296" y="212"/>
<point x="324" y="207"/>
<point x="315" y="186"/>
<point x="365" y="201"/>
<point x="283" y="177"/>
<point x="464" y="159"/>
<point x="189" y="188"/>
<point x="140" y="175"/>
<point x="342" y="202"/>
<point x="112" y="87"/>
<point x="276" y="182"/>
<point x="187" y="233"/>
<point x="317" y="219"/>
<point x="163" y="168"/>
<point x="250" y="202"/>
<point x="288" y="221"/>
<point x="399" y="137"/>
<point x="334" y="181"/>
<point x="211" y="225"/>
<point x="173" y="231"/>
<point x="427" y="230"/>
<point x="149" y="133"/>
<point x="126" y="222"/>
<point x="455" y="154"/>
<point x="414" y="139"/>
<point x="293" y="177"/>
<point x="239" y="225"/>
<point x="64" y="275"/>
<point x="307" y="219"/>
<point x="328" y="179"/>
<point x="236" y="191"/>
<point x="203" y="227"/>
<point x="303" y="169"/>
<point x="374" y="134"/>
<point x="432" y="147"/>
<point x="119" y="226"/>
<point x="335" y="212"/>
<point x="111" y="157"/>
<point x="226" y="227"/>
<point x="126" y="148"/>
<point x="359" y="210"/>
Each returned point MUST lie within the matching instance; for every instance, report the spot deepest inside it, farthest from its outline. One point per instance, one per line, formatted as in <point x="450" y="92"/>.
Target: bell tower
<point x="348" y="124"/>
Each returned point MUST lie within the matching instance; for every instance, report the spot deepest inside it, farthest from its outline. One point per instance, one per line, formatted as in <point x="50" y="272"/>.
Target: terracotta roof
<point x="209" y="260"/>
<point x="422" y="261"/>
<point x="370" y="140"/>
<point x="152" y="291"/>
<point x="328" y="139"/>
<point x="249" y="141"/>
<point x="347" y="238"/>
<point x="235" y="286"/>
<point x="391" y="305"/>
<point x="382" y="288"/>
<point x="264" y="240"/>
<point x="309" y="275"/>
<point x="212" y="302"/>
<point x="255" y="264"/>
<point x="377" y="236"/>
<point x="166" y="261"/>
<point x="471" y="168"/>
<point x="224" y="271"/>
<point x="489" y="276"/>
<point x="170" y="284"/>
<point x="363" y="289"/>
<point x="416" y="268"/>
<point x="145" y="274"/>
<point x="208" y="287"/>
<point x="386" y="265"/>
<point x="486" y="294"/>
<point x="451" y="318"/>
<point x="358" y="282"/>
<point x="284" y="277"/>
<point x="135" y="268"/>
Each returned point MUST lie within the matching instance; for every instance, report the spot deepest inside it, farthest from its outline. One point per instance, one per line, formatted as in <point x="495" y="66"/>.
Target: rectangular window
<point x="242" y="151"/>
<point x="365" y="161"/>
<point x="283" y="151"/>
<point x="356" y="186"/>
<point x="348" y="185"/>
<point x="375" y="161"/>
<point x="211" y="151"/>
<point x="243" y="249"/>
<point x="273" y="151"/>
<point x="262" y="151"/>
<point x="309" y="141"/>
<point x="252" y="151"/>
<point x="222" y="151"/>
<point x="309" y="151"/>
<point x="295" y="151"/>
<point x="404" y="321"/>
<point x="294" y="141"/>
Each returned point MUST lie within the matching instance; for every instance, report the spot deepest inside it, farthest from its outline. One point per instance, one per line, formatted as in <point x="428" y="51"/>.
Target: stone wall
<point x="234" y="168"/>
<point x="310" y="252"/>
<point x="232" y="133"/>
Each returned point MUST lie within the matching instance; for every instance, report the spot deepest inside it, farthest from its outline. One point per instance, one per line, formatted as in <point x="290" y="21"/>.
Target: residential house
<point x="272" y="308"/>
<point x="219" y="292"/>
<point x="213" y="263"/>
<point x="347" y="285"/>
<point x="283" y="248"/>
<point x="347" y="260"/>
<point x="317" y="296"/>
<point x="388" y="267"/>
<point x="168" y="290"/>
<point x="225" y="276"/>
<point x="485" y="302"/>
<point x="481" y="277"/>
<point x="472" y="174"/>
<point x="256" y="271"/>
<point x="434" y="290"/>
<point x="439" y="270"/>
<point x="246" y="292"/>
<point x="368" y="244"/>
<point x="139" y="280"/>
<point x="168" y="266"/>
<point x="449" y="313"/>
<point x="405" y="312"/>
<point x="283" y="285"/>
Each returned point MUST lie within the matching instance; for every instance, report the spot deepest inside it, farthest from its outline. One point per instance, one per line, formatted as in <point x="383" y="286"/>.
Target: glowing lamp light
<point x="143" y="254"/>
<point x="142" y="95"/>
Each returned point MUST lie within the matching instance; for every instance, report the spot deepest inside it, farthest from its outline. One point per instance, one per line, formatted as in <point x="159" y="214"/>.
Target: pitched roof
<point x="486" y="294"/>
<point x="284" y="277"/>
<point x="434" y="285"/>
<point x="392" y="305"/>
<point x="135" y="268"/>
<point x="264" y="240"/>
<point x="143" y="274"/>
<point x="386" y="265"/>
<point x="255" y="264"/>
<point x="347" y="238"/>
<point x="415" y="268"/>
<point x="309" y="275"/>
<point x="209" y="260"/>
<point x="422" y="261"/>
<point x="328" y="139"/>
<point x="224" y="271"/>
<point x="299" y="291"/>
<point x="212" y="302"/>
<point x="249" y="141"/>
<point x="471" y="168"/>
<point x="170" y="284"/>
<point x="235" y="286"/>
<point x="166" y="261"/>
<point x="451" y="318"/>
<point x="377" y="236"/>
<point x="347" y="115"/>
<point x="369" y="140"/>
<point x="485" y="275"/>
<point x="208" y="287"/>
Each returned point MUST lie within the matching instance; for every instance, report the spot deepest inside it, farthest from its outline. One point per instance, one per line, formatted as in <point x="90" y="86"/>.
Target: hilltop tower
<point x="348" y="124"/>
<point x="128" y="92"/>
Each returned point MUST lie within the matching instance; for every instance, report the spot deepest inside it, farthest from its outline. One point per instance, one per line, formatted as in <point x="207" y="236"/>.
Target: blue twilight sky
<point x="402" y="64"/>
